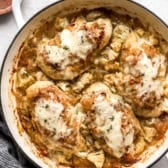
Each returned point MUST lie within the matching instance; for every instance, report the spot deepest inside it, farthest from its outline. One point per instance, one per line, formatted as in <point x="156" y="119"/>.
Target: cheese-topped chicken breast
<point x="142" y="81"/>
<point x="111" y="121"/>
<point x="51" y="108"/>
<point x="56" y="117"/>
<point x="69" y="53"/>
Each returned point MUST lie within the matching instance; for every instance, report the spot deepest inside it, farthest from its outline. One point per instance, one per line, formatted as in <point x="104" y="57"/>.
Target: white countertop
<point x="8" y="27"/>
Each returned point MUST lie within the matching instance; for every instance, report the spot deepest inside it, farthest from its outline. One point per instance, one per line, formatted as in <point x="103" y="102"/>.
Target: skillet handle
<point x="16" y="8"/>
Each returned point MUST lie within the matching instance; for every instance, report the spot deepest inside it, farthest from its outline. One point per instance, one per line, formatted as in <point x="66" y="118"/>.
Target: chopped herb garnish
<point x="110" y="128"/>
<point x="97" y="153"/>
<point x="112" y="118"/>
<point x="82" y="40"/>
<point x="47" y="106"/>
<point x="25" y="74"/>
<point x="65" y="48"/>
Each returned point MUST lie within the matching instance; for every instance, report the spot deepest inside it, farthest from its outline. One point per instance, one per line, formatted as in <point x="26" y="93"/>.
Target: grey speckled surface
<point x="8" y="29"/>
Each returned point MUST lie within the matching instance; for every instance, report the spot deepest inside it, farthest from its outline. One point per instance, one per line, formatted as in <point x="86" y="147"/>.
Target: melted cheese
<point x="109" y="122"/>
<point x="58" y="56"/>
<point x="149" y="69"/>
<point x="75" y="46"/>
<point x="129" y="136"/>
<point x="77" y="42"/>
<point x="48" y="114"/>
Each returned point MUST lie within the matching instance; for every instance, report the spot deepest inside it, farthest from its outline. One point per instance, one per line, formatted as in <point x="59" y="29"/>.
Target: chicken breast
<point x="69" y="53"/>
<point x="111" y="121"/>
<point x="141" y="81"/>
<point x="56" y="116"/>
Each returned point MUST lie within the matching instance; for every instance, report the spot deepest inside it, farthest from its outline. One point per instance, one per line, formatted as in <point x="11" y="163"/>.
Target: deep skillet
<point x="66" y="6"/>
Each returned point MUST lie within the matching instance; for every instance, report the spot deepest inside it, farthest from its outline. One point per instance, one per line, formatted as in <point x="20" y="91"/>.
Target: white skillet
<point x="64" y="6"/>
